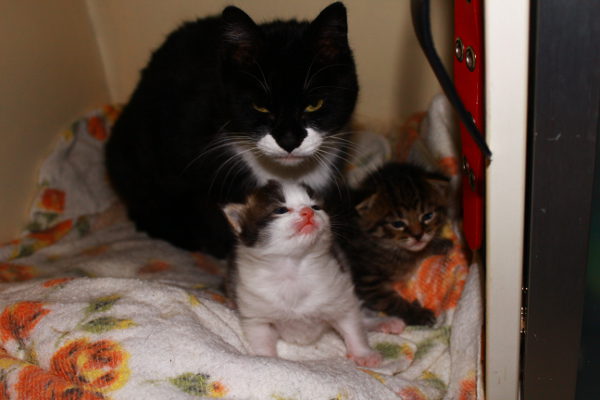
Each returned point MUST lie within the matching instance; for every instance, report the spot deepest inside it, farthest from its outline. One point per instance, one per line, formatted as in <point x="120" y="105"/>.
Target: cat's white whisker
<point x="326" y="67"/>
<point x="216" y="173"/>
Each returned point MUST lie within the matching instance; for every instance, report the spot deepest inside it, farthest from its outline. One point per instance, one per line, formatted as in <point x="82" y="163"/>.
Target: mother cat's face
<point x="292" y="86"/>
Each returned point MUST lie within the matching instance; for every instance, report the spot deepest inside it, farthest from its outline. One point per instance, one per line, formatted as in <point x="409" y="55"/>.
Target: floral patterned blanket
<point x="92" y="309"/>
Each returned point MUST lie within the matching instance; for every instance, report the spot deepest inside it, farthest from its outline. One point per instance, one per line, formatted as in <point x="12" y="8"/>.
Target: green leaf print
<point x="439" y="336"/>
<point x="102" y="304"/>
<point x="83" y="226"/>
<point x="435" y="381"/>
<point x="190" y="383"/>
<point x="25" y="251"/>
<point x="105" y="324"/>
<point x="389" y="350"/>
<point x="41" y="220"/>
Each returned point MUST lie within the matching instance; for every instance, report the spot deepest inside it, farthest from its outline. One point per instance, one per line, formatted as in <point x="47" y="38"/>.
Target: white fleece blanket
<point x="92" y="309"/>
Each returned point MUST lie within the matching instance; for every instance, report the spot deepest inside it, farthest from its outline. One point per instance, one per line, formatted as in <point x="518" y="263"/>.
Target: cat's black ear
<point x="329" y="32"/>
<point x="234" y="213"/>
<point x="241" y="36"/>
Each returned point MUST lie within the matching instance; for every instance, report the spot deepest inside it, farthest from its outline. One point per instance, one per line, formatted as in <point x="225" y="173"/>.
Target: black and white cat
<point x="286" y="276"/>
<point x="224" y="106"/>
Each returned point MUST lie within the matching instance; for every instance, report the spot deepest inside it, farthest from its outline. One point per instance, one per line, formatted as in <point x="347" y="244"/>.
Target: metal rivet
<point x="470" y="58"/>
<point x="459" y="49"/>
<point x="468" y="171"/>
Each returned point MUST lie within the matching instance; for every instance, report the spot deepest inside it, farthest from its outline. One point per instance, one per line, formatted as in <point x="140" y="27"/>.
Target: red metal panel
<point x="468" y="30"/>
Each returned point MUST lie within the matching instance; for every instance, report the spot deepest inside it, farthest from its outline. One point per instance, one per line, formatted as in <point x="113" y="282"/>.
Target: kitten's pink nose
<point x="307" y="213"/>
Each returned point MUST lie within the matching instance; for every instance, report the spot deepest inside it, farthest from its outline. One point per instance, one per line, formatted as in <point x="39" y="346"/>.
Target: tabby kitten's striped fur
<point x="401" y="210"/>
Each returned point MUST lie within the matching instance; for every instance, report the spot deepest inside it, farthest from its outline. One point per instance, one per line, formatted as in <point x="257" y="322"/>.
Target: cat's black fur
<point x="175" y="153"/>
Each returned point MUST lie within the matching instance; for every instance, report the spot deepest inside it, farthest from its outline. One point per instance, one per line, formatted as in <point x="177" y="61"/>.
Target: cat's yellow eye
<point x="260" y="109"/>
<point x="314" y="107"/>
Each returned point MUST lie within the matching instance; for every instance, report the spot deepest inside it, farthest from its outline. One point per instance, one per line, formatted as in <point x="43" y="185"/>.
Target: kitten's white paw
<point x="391" y="325"/>
<point x="371" y="359"/>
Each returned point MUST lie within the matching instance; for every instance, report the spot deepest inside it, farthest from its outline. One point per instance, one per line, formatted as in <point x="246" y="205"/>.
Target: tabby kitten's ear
<point x="234" y="213"/>
<point x="365" y="206"/>
<point x="241" y="36"/>
<point x="329" y="32"/>
<point x="440" y="183"/>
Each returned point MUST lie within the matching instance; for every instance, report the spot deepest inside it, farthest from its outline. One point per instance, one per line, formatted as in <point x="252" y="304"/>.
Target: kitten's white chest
<point x="289" y="289"/>
<point x="285" y="286"/>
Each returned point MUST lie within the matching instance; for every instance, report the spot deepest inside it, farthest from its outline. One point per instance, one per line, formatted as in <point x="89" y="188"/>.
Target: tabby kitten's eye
<point x="260" y="109"/>
<point x="425" y="218"/>
<point x="280" y="210"/>
<point x="314" y="107"/>
<point x="398" y="224"/>
<point x="316" y="207"/>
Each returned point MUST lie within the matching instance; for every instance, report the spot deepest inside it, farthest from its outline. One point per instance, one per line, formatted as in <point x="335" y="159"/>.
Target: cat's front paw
<point x="391" y="325"/>
<point x="372" y="359"/>
<point x="441" y="246"/>
<point x="420" y="316"/>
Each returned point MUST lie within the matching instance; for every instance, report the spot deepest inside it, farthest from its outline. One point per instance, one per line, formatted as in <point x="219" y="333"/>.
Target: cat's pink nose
<point x="307" y="213"/>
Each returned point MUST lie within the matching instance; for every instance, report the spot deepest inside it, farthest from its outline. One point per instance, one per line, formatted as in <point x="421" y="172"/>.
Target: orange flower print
<point x="468" y="388"/>
<point x="35" y="383"/>
<point x="56" y="282"/>
<point x="15" y="273"/>
<point x="449" y="165"/>
<point x="111" y="112"/>
<point x="217" y="389"/>
<point x="411" y="393"/>
<point x="154" y="266"/>
<point x="206" y="263"/>
<point x="96" y="128"/>
<point x="53" y="234"/>
<point x="3" y="388"/>
<point x="18" y="320"/>
<point x="96" y="250"/>
<point x="99" y="366"/>
<point x="438" y="282"/>
<point x="53" y="200"/>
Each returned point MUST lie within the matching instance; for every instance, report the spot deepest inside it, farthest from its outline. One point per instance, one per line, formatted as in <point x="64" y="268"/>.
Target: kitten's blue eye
<point x="398" y="224"/>
<point x="427" y="217"/>
<point x="280" y="210"/>
<point x="316" y="207"/>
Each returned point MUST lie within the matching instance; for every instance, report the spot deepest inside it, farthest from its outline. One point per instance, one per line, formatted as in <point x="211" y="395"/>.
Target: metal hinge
<point x="523" y="320"/>
<point x="524" y="313"/>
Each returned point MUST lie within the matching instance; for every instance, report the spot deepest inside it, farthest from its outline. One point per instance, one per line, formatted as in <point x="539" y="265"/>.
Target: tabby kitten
<point x="224" y="106"/>
<point x="400" y="216"/>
